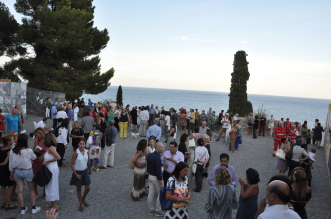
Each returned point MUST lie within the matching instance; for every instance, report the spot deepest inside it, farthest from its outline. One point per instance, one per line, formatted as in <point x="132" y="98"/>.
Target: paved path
<point x="110" y="189"/>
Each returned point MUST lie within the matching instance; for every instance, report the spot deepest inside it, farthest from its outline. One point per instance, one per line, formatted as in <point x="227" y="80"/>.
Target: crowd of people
<point x="167" y="165"/>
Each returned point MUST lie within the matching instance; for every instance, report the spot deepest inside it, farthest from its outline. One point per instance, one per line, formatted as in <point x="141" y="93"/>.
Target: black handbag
<point x="43" y="176"/>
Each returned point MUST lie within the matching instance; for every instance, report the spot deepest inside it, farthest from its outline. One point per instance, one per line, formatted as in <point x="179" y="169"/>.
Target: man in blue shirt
<point x="90" y="104"/>
<point x="151" y="115"/>
<point x="12" y="121"/>
<point x="224" y="161"/>
<point x="56" y="101"/>
<point x="155" y="180"/>
<point x="54" y="113"/>
<point x="155" y="131"/>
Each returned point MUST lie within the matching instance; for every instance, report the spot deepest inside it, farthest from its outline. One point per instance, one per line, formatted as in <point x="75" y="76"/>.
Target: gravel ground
<point x="110" y="189"/>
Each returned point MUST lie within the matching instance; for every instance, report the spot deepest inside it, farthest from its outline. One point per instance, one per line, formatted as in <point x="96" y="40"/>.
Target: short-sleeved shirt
<point x="71" y="114"/>
<point x="151" y="110"/>
<point x="12" y="122"/>
<point x="298" y="152"/>
<point x="75" y="141"/>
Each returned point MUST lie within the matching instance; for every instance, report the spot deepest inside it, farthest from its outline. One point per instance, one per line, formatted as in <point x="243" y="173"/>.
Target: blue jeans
<point x="21" y="175"/>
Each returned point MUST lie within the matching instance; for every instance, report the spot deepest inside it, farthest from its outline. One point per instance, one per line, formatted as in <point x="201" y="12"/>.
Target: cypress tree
<point x="238" y="102"/>
<point x="119" y="96"/>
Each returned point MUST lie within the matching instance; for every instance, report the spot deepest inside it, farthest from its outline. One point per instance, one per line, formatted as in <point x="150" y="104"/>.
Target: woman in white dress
<point x="271" y="124"/>
<point x="50" y="160"/>
<point x="76" y="111"/>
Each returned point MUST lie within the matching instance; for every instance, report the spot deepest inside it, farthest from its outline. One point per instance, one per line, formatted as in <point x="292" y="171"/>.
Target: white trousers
<point x="143" y="126"/>
<point x="47" y="112"/>
<point x="154" y="194"/>
<point x="108" y="153"/>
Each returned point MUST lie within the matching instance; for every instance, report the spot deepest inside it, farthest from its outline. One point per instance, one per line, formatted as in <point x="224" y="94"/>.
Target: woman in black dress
<point x="301" y="193"/>
<point x="6" y="184"/>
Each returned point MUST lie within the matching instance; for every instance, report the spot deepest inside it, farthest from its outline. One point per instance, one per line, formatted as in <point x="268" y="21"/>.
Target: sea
<point x="294" y="108"/>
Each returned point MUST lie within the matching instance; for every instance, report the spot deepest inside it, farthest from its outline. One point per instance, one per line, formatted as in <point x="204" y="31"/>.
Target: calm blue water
<point x="294" y="108"/>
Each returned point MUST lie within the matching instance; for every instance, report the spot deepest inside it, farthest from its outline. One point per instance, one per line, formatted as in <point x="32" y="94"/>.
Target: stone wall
<point x="11" y="94"/>
<point x="36" y="99"/>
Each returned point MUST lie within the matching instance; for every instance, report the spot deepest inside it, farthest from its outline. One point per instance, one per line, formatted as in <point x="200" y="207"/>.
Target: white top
<point x="150" y="150"/>
<point x="312" y="156"/>
<point x="235" y="118"/>
<point x="21" y="161"/>
<point x="167" y="121"/>
<point x="61" y="114"/>
<point x="40" y="124"/>
<point x="279" y="211"/>
<point x="144" y="115"/>
<point x="62" y="138"/>
<point x="81" y="160"/>
<point x="76" y="110"/>
<point x="225" y="123"/>
<point x="202" y="154"/>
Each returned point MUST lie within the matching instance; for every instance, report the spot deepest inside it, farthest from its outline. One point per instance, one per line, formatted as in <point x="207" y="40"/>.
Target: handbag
<point x="165" y="203"/>
<point x="43" y="176"/>
<point x="194" y="168"/>
<point x="191" y="143"/>
<point x="131" y="164"/>
<point x="280" y="154"/>
<point x="89" y="140"/>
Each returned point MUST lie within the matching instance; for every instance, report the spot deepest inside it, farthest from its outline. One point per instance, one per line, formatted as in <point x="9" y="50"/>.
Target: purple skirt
<point x="282" y="165"/>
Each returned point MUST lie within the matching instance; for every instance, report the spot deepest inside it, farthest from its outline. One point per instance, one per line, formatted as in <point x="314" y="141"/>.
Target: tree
<point x="119" y="96"/>
<point x="9" y="42"/>
<point x="65" y="47"/>
<point x="238" y="102"/>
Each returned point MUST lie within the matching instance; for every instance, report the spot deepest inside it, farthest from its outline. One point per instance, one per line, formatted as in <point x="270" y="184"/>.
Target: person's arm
<point x="6" y="160"/>
<point x="81" y="132"/>
<point x="172" y="198"/>
<point x="33" y="156"/>
<point x="64" y="137"/>
<point x="234" y="178"/>
<point x="251" y="191"/>
<point x="53" y="152"/>
<point x="88" y="163"/>
<point x="136" y="157"/>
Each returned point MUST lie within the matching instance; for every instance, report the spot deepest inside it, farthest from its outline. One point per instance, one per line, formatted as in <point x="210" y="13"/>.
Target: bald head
<point x="159" y="147"/>
<point x="14" y="111"/>
<point x="278" y="192"/>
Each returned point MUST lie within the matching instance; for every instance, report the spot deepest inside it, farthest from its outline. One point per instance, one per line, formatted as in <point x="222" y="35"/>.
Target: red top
<point x="287" y="125"/>
<point x="2" y="117"/>
<point x="279" y="133"/>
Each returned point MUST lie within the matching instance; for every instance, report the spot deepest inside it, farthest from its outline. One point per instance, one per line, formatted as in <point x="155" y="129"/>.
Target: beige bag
<point x="131" y="164"/>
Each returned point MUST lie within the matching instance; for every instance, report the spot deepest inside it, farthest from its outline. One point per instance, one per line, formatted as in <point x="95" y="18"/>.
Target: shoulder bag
<point x="165" y="203"/>
<point x="281" y="154"/>
<point x="43" y="176"/>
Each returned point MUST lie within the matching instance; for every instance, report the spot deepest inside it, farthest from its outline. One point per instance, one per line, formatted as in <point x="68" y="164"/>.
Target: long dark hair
<point x="142" y="144"/>
<point x="65" y="123"/>
<point x="22" y="142"/>
<point x="183" y="138"/>
<point x="178" y="168"/>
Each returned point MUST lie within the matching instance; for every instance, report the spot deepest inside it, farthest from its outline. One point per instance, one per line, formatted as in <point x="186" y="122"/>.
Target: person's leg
<point x="125" y="127"/>
<point x="36" y="189"/>
<point x="86" y="191"/>
<point x="20" y="185"/>
<point x="3" y="194"/>
<point x="79" y="195"/>
<point x="8" y="195"/>
<point x="32" y="193"/>
<point x="263" y="129"/>
<point x="166" y="132"/>
<point x="111" y="155"/>
<point x="121" y="129"/>
<point x="275" y="147"/>
<point x="166" y="176"/>
<point x="152" y="193"/>
<point x="105" y="154"/>
<point x="198" y="178"/>
<point x="60" y="150"/>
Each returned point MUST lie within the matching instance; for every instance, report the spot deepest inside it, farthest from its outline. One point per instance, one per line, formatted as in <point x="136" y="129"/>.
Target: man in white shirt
<point x="144" y="117"/>
<point x="169" y="160"/>
<point x="201" y="158"/>
<point x="222" y="129"/>
<point x="42" y="124"/>
<point x="61" y="114"/>
<point x="235" y="118"/>
<point x="278" y="195"/>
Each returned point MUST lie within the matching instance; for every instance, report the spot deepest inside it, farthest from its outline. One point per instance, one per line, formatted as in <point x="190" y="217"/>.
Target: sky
<point x="190" y="44"/>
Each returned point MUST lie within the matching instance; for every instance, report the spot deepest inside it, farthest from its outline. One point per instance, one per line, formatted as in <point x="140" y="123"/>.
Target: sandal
<point x="11" y="206"/>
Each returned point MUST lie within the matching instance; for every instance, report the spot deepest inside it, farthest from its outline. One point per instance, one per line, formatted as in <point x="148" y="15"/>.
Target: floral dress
<point x="95" y="148"/>
<point x="180" y="190"/>
<point x="183" y="120"/>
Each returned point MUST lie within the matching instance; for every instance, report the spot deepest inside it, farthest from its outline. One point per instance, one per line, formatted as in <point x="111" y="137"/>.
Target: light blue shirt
<point x="54" y="110"/>
<point x="90" y="104"/>
<point x="12" y="122"/>
<point x="155" y="131"/>
<point x="233" y="174"/>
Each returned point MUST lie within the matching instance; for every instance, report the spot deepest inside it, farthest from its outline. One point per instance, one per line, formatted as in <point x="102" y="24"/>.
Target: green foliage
<point x="65" y="47"/>
<point x="238" y="102"/>
<point x="119" y="96"/>
<point x="261" y="111"/>
<point x="9" y="42"/>
<point x="4" y="74"/>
